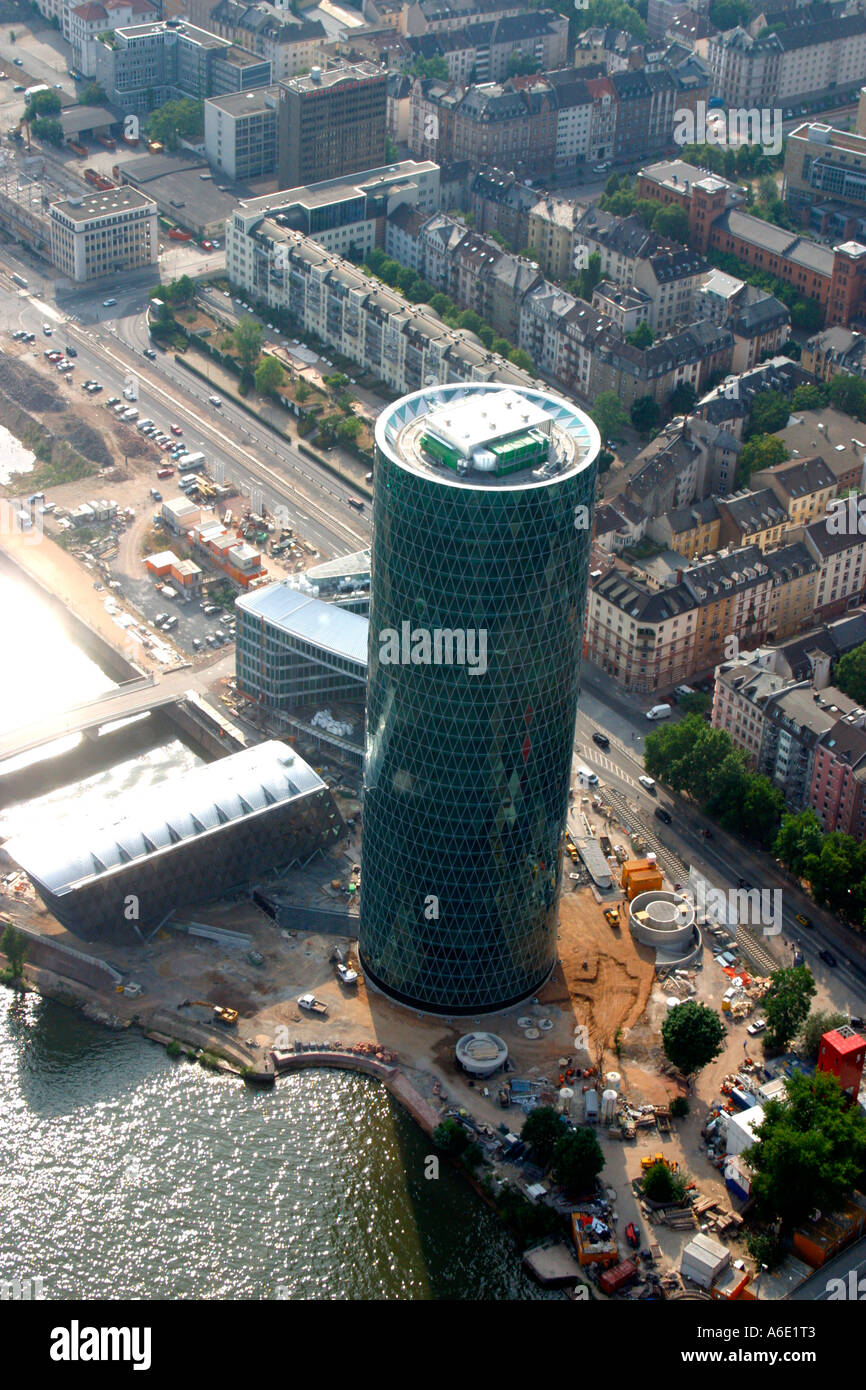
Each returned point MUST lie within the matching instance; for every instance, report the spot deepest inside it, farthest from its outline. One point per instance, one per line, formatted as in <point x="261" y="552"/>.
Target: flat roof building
<point x="240" y="133"/>
<point x="331" y="122"/>
<point x="189" y="839"/>
<point x="294" y="650"/>
<point x="106" y="233"/>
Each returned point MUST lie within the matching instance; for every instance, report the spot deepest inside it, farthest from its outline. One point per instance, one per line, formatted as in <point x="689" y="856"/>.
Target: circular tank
<point x="481" y="1054"/>
<point x="662" y="919"/>
<point x="613" y="1081"/>
<point x="608" y="1106"/>
<point x="566" y="1099"/>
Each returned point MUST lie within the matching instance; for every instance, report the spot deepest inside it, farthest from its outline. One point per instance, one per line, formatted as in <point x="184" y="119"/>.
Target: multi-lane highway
<point x="110" y="342"/>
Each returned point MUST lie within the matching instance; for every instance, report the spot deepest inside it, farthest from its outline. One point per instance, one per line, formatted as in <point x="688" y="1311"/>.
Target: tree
<point x="174" y="121"/>
<point x="682" y="398"/>
<point x="522" y="64"/>
<point x="609" y="414"/>
<point x="671" y="222"/>
<point x="42" y="104"/>
<point x="812" y="396"/>
<point x="92" y="94"/>
<point x="661" y="1185"/>
<point x="180" y="291"/>
<point x="51" y="131"/>
<point x="850" y="674"/>
<point x="645" y="414"/>
<point x="349" y="429"/>
<point x="765" y="1248"/>
<point x="817" y="1024"/>
<point x="522" y="359"/>
<point x="451" y="1137"/>
<point x="692" y="1035"/>
<point x="786" y="1004"/>
<point x="542" y="1130"/>
<point x="269" y="376"/>
<point x="728" y="14"/>
<point x="642" y="337"/>
<point x="247" y="341"/>
<point x="848" y="393"/>
<point x="810" y="1150"/>
<point x="696" y="703"/>
<point x="762" y="451"/>
<point x="13" y="944"/>
<point x="577" y="1159"/>
<point x="799" y="837"/>
<point x="302" y="390"/>
<point x="437" y="67"/>
<point x="770" y="412"/>
<point x="589" y="277"/>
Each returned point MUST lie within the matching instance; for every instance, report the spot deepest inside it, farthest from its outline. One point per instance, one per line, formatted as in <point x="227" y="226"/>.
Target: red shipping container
<point x="615" y="1279"/>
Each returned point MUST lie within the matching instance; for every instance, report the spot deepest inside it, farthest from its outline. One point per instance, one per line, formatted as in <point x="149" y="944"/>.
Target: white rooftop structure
<point x="470" y="424"/>
<point x="64" y="854"/>
<point x="743" y="1128"/>
<point x="324" y="625"/>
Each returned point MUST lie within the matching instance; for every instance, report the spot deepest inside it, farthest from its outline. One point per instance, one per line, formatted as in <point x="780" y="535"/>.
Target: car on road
<point x="647" y="783"/>
<point x="803" y="919"/>
<point x="149" y="352"/>
<point x="47" y="329"/>
<point x="108" y="303"/>
<point x="828" y="958"/>
<point x="757" y="1027"/>
<point x="175" y="429"/>
<point x="665" y="816"/>
<point x="19" y="62"/>
<point x="215" y="400"/>
<point x="601" y="168"/>
<point x="601" y="739"/>
<point x="19" y="87"/>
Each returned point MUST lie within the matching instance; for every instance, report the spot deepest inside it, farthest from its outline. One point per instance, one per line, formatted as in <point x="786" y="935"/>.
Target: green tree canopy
<point x="642" y="337"/>
<point x="42" y="104"/>
<point x="692" y="1035"/>
<point x="522" y="64"/>
<point x="269" y="376"/>
<point x="819" y="1022"/>
<point x="174" y="121"/>
<point x="542" y="1130"/>
<point x="577" y="1160"/>
<point x="609" y="414"/>
<point x="799" y="837"/>
<point x="812" y="396"/>
<point x="729" y="14"/>
<point x="671" y="222"/>
<point x="437" y="67"/>
<point x="682" y="398"/>
<point x="92" y="94"/>
<point x="13" y="944"/>
<point x="522" y="359"/>
<point x="770" y="412"/>
<point x="850" y="674"/>
<point x="247" y="338"/>
<point x="762" y="451"/>
<point x="47" y="129"/>
<point x="848" y="393"/>
<point x="810" y="1150"/>
<point x="661" y="1185"/>
<point x="645" y="414"/>
<point x="451" y="1137"/>
<point x="786" y="1004"/>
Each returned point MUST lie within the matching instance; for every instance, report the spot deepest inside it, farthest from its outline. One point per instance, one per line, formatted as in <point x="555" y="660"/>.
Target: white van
<point x="684" y="690"/>
<point x="659" y="712"/>
<point x="647" y="783"/>
<point x="586" y="777"/>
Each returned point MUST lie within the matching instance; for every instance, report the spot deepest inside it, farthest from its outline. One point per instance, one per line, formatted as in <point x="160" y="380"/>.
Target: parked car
<point x="661" y="814"/>
<point x="47" y="329"/>
<point x="757" y="1027"/>
<point x="601" y="739"/>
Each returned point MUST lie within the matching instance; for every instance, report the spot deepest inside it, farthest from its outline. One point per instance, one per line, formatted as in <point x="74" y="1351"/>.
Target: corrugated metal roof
<point x="177" y="809"/>
<point x="324" y="624"/>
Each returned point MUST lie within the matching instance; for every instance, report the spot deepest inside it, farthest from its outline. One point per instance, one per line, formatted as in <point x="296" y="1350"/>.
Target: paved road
<point x="109" y="341"/>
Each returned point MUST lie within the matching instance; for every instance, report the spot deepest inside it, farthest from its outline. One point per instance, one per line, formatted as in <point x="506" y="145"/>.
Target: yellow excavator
<point x="221" y="1014"/>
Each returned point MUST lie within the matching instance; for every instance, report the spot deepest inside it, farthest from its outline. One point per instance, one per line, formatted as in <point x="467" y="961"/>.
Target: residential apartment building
<point x="289" y="42"/>
<point x="500" y="202"/>
<point x="444" y="16"/>
<point x="105" y="233"/>
<point x="669" y="274"/>
<point x="688" y="531"/>
<point x="331" y="122"/>
<point x="348" y="214"/>
<point x="240" y="133"/>
<point x="840" y="555"/>
<point x="823" y="163"/>
<point x="835" y="350"/>
<point x="804" y="58"/>
<point x="404" y="345"/>
<point x="803" y="486"/>
<point x="551" y="236"/>
<point x="752" y="518"/>
<point x="485" y="51"/>
<point x="144" y="65"/>
<point x="840" y="441"/>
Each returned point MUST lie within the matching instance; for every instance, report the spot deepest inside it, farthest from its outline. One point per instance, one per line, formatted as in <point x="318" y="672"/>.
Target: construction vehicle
<point x="221" y="1013"/>
<point x="651" y="1160"/>
<point x="611" y="916"/>
<point x="312" y="1004"/>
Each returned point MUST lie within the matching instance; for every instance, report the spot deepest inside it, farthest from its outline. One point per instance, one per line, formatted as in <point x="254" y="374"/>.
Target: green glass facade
<point x="467" y="773"/>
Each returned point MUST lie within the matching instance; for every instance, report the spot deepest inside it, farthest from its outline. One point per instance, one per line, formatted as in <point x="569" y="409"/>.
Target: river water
<point x="124" y="1174"/>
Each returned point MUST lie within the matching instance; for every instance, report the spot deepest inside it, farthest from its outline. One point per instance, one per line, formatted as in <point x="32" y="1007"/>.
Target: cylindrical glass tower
<point x="481" y="534"/>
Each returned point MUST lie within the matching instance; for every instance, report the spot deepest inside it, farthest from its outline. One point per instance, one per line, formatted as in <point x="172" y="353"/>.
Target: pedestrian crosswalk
<point x="596" y="759"/>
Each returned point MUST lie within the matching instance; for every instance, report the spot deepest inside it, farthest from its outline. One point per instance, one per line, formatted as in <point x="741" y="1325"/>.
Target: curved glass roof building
<point x="481" y="534"/>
